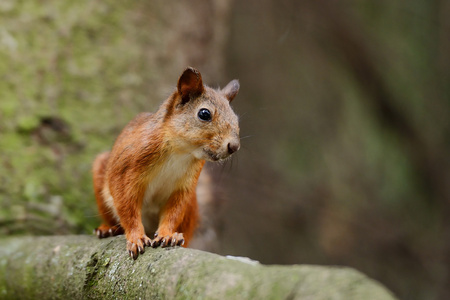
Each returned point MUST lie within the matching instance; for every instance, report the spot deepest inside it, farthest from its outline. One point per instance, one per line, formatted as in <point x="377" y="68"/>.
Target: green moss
<point x="81" y="63"/>
<point x="85" y="267"/>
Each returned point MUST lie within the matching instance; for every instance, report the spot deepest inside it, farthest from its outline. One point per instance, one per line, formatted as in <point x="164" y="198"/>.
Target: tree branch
<point x="75" y="267"/>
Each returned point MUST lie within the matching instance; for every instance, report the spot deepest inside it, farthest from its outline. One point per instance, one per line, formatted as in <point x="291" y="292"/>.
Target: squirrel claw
<point x="147" y="241"/>
<point x="176" y="239"/>
<point x="132" y="250"/>
<point x="137" y="246"/>
<point x="132" y="255"/>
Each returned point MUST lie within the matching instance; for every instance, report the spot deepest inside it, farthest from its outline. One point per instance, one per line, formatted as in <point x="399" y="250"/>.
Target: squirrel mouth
<point x="214" y="156"/>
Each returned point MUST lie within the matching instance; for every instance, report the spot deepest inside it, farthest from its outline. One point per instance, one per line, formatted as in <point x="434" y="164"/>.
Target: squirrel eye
<point x="204" y="114"/>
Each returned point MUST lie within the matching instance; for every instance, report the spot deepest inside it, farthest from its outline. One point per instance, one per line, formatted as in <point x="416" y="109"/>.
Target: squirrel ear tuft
<point x="190" y="84"/>
<point x="231" y="90"/>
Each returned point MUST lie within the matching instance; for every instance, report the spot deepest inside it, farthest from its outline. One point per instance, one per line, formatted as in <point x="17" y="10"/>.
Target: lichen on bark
<point x="83" y="267"/>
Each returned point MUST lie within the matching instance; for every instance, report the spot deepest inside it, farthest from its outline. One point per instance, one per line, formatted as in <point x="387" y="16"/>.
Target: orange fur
<point x="152" y="171"/>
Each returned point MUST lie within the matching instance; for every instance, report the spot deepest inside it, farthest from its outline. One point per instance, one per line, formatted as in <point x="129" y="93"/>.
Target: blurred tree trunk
<point x="358" y="153"/>
<point x="430" y="160"/>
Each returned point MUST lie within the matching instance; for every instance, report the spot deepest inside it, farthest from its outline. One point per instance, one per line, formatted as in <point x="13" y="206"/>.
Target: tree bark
<point x="75" y="267"/>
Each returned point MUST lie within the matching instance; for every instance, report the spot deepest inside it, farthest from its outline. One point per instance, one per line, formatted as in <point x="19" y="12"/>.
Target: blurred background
<point x="344" y="109"/>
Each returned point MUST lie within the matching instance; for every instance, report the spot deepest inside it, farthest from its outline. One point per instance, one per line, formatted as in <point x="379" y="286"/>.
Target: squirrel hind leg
<point x="110" y="226"/>
<point x="104" y="231"/>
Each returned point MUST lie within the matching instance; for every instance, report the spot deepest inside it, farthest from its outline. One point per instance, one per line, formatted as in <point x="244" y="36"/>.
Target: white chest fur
<point x="161" y="185"/>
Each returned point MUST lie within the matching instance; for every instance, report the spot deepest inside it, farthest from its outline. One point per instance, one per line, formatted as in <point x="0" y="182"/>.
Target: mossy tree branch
<point x="74" y="267"/>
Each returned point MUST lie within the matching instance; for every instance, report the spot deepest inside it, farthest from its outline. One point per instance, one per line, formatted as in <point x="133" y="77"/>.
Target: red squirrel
<point x="148" y="181"/>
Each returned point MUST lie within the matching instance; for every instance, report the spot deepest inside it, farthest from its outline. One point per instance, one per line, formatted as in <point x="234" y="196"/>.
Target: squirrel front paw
<point x="175" y="239"/>
<point x="136" y="245"/>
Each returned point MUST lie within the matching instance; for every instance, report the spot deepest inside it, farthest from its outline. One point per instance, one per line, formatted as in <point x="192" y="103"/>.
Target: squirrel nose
<point x="233" y="147"/>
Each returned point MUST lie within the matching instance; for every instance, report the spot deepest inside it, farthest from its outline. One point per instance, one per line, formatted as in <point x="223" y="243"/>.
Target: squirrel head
<point x="201" y="120"/>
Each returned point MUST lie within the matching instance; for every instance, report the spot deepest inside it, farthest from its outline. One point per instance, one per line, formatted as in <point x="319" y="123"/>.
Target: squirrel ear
<point x="190" y="84"/>
<point x="231" y="90"/>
